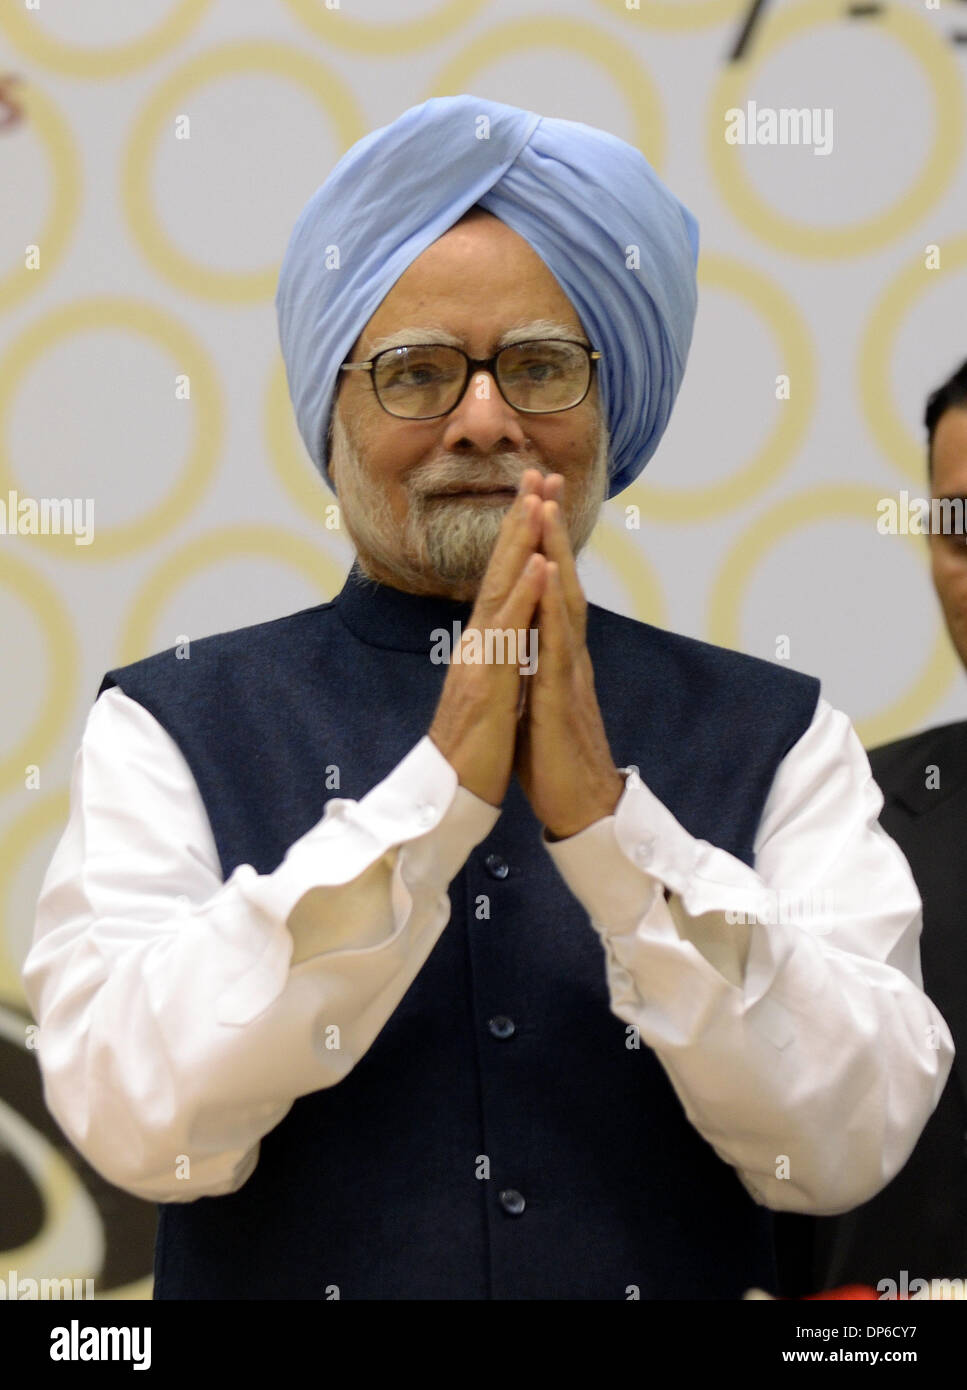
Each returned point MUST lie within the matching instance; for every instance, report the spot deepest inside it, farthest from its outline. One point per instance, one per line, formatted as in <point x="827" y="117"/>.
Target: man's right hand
<point x="475" y="724"/>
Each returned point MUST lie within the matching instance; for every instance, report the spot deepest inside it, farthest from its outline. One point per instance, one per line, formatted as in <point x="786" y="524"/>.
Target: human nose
<point x="482" y="416"/>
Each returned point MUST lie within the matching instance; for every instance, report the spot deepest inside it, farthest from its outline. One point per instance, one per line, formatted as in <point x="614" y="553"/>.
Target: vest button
<point x="496" y="867"/>
<point x="511" y="1201"/>
<point x="501" y="1026"/>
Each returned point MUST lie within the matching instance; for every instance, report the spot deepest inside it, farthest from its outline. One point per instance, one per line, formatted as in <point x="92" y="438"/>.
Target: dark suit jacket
<point x="918" y="1223"/>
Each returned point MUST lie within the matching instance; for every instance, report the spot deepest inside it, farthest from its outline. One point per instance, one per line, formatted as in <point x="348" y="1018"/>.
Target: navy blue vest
<point x="372" y="1185"/>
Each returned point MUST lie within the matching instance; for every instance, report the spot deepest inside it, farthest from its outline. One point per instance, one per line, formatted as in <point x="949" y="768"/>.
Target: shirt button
<point x="425" y="813"/>
<point x="496" y="867"/>
<point x="501" y="1026"/>
<point x="511" y="1201"/>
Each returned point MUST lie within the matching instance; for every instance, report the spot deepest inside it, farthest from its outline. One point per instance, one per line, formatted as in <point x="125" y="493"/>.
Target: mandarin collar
<point x="394" y="619"/>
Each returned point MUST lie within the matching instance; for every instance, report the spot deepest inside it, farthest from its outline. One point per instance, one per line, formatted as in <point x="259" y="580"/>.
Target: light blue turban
<point x="622" y="247"/>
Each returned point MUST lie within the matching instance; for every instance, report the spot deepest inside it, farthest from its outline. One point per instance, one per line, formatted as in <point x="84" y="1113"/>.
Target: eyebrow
<point x="519" y="333"/>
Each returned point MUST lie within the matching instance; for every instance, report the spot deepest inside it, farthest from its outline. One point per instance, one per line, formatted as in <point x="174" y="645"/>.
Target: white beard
<point x="444" y="544"/>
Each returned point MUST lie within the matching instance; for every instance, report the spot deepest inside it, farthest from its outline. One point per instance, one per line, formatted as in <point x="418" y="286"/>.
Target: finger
<point x="517" y="611"/>
<point x="554" y="488"/>
<point x="557" y="547"/>
<point x="516" y="645"/>
<point x="518" y="539"/>
<point x="555" y="639"/>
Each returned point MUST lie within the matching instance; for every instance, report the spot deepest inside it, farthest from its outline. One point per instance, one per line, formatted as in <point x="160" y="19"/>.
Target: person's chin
<point x="455" y="570"/>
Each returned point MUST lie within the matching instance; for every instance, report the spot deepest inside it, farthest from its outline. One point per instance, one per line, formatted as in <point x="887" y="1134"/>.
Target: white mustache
<point x="447" y="475"/>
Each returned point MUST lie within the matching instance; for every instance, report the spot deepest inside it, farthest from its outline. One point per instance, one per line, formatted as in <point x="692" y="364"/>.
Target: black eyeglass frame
<point x="473" y="365"/>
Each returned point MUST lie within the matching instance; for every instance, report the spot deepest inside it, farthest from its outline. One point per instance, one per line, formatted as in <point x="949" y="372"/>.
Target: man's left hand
<point x="562" y="758"/>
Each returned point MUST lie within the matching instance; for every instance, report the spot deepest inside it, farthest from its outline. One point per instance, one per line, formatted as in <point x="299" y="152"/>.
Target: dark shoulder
<point x="904" y="758"/>
<point x="222" y="653"/>
<point x="695" y="657"/>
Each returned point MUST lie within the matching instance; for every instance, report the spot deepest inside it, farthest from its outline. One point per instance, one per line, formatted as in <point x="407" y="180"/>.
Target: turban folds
<point x="619" y="243"/>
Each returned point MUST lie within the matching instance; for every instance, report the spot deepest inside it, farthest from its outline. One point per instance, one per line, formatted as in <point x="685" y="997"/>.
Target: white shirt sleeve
<point x="785" y="1002"/>
<point x="181" y="1015"/>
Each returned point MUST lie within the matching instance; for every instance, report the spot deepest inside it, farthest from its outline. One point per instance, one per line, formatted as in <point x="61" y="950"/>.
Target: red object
<point x="860" y="1291"/>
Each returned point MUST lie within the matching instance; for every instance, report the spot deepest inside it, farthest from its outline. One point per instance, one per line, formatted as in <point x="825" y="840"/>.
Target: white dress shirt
<point x="182" y="1015"/>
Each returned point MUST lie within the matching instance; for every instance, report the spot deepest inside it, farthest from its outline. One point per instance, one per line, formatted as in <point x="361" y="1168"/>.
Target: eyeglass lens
<point x="420" y="382"/>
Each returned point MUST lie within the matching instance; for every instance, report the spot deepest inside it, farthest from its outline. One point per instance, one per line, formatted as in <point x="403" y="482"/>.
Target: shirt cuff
<point x="437" y="856"/>
<point x="616" y="866"/>
<point x="613" y="891"/>
<point x="420" y="795"/>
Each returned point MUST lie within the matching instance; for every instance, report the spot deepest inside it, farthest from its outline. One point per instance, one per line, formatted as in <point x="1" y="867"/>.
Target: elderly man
<point x="394" y="978"/>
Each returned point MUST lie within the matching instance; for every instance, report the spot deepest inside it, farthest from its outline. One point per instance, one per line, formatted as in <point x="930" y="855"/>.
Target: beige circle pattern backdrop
<point x="187" y="353"/>
<point x="109" y="60"/>
<point x="544" y="36"/>
<point x="831" y="303"/>
<point x="54" y="689"/>
<point x="183" y="272"/>
<point x="938" y="64"/>
<point x="891" y="432"/>
<point x="390" y="35"/>
<point x="43" y="116"/>
<point x="796" y="353"/>
<point x="677" y="14"/>
<point x="769" y="531"/>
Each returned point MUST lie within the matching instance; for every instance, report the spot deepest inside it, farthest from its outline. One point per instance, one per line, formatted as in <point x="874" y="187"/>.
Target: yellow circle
<point x="291" y="464"/>
<point x="39" y="595"/>
<point x="640" y="579"/>
<point x="876" y="391"/>
<point x="802" y="239"/>
<point x="48" y="813"/>
<point x="679" y="14"/>
<point x="185" y="274"/>
<point x="587" y="42"/>
<point x="114" y="60"/>
<point x="225" y="543"/>
<point x="357" y="36"/>
<point x="191" y="359"/>
<point x="822" y="504"/>
<point x="43" y="117"/>
<point x="796" y="353"/>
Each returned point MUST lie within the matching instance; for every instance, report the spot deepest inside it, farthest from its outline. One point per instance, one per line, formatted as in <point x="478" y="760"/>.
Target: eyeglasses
<point x="537" y="377"/>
